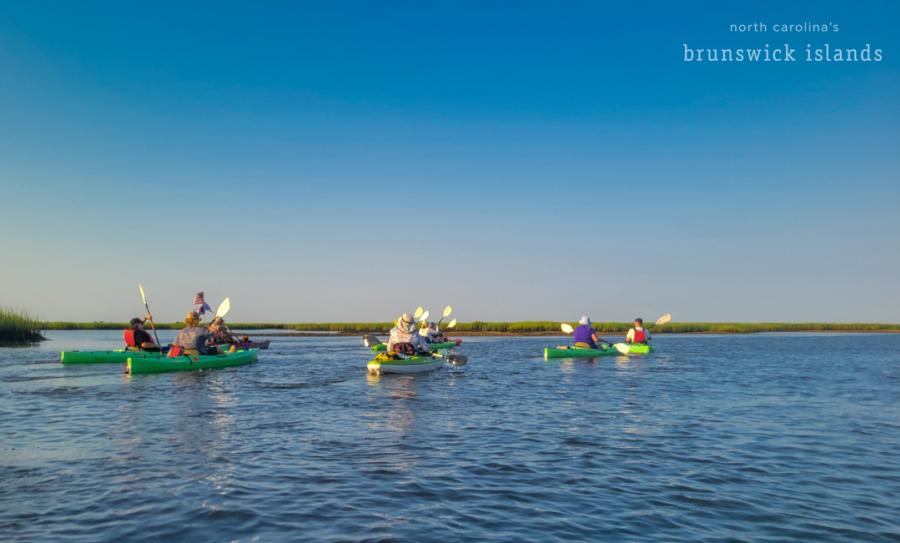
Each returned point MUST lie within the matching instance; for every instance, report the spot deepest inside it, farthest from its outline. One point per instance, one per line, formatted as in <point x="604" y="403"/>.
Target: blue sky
<point x="351" y="160"/>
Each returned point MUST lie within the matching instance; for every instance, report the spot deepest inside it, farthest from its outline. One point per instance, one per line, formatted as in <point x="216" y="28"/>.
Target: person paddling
<point x="430" y="333"/>
<point x="219" y="334"/>
<point x="405" y="339"/>
<point x="192" y="338"/>
<point x="638" y="334"/>
<point x="584" y="336"/>
<point x="136" y="338"/>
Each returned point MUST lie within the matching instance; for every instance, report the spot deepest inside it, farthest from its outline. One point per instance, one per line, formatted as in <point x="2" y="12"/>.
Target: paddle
<point x="452" y="358"/>
<point x="451" y="324"/>
<point x="447" y="311"/>
<point x="418" y="312"/>
<point x="369" y="340"/>
<point x="662" y="320"/>
<point x="147" y="307"/>
<point x="424" y="316"/>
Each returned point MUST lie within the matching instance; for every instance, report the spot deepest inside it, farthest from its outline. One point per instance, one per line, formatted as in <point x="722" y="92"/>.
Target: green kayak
<point x="610" y="350"/>
<point x="633" y="348"/>
<point x="411" y="364"/>
<point x="190" y="363"/>
<point x="103" y="357"/>
<point x="575" y="352"/>
<point x="379" y="347"/>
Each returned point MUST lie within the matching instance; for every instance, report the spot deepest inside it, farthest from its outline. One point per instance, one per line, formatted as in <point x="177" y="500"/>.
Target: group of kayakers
<point x="585" y="337"/>
<point x="409" y="338"/>
<point x="194" y="338"/>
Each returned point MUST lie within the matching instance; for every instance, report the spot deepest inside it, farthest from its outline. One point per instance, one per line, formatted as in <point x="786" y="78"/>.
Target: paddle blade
<point x="370" y="340"/>
<point x="224" y="308"/>
<point x="418" y="312"/>
<point x="143" y="296"/>
<point x="664" y="319"/>
<point x="447" y="311"/>
<point x="622" y="347"/>
<point x="424" y="316"/>
<point x="456" y="359"/>
<point x="566" y="328"/>
<point x="451" y="324"/>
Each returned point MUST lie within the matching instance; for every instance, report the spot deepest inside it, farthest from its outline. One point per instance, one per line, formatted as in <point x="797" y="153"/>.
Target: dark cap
<point x="135" y="321"/>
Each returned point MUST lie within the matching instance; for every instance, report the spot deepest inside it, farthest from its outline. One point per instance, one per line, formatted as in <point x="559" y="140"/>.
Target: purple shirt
<point x="583" y="334"/>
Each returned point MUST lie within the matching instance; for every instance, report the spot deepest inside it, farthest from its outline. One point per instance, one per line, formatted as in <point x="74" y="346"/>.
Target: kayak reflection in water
<point x="585" y="336"/>
<point x="193" y="337"/>
<point x="136" y="338"/>
<point x="638" y="334"/>
<point x="405" y="339"/>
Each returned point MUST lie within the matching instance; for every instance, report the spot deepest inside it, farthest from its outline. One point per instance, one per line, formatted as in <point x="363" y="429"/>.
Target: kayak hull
<point x="190" y="363"/>
<point x="103" y="357"/>
<point x="413" y="364"/>
<point x="247" y="345"/>
<point x="633" y="348"/>
<point x="574" y="352"/>
<point x="381" y="347"/>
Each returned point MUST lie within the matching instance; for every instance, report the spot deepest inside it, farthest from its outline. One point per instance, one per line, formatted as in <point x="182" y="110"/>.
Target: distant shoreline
<point x="522" y="328"/>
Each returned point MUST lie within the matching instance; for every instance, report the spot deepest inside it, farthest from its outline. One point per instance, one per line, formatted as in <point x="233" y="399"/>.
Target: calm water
<point x="761" y="437"/>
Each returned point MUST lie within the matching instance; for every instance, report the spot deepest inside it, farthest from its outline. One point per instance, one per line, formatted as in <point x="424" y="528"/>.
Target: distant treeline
<point x="18" y="327"/>
<point x="515" y="328"/>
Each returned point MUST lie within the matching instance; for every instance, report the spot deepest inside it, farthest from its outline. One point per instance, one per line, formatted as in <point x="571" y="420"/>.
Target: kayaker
<point x="136" y="338"/>
<point x="193" y="338"/>
<point x="405" y="339"/>
<point x="638" y="334"/>
<point x="430" y="333"/>
<point x="219" y="334"/>
<point x="584" y="336"/>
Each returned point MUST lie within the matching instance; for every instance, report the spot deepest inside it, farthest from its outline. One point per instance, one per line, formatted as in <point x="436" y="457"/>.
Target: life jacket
<point x="128" y="335"/>
<point x="404" y="348"/>
<point x="640" y="336"/>
<point x="175" y="351"/>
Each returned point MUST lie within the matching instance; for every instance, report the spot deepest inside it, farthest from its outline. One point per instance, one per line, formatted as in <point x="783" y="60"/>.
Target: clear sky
<point x="519" y="160"/>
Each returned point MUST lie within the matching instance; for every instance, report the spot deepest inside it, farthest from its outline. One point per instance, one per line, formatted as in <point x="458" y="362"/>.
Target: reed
<point x="518" y="327"/>
<point x="18" y="327"/>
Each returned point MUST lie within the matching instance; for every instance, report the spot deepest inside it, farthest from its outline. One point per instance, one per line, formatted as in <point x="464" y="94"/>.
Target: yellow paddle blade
<point x="566" y="328"/>
<point x="622" y="347"/>
<point x="424" y="316"/>
<point x="447" y="311"/>
<point x="143" y="296"/>
<point x="224" y="307"/>
<point x="664" y="319"/>
<point x="418" y="312"/>
<point x="452" y="324"/>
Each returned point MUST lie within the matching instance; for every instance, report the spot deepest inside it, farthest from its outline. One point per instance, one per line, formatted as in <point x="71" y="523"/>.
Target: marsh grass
<point x="517" y="328"/>
<point x="17" y="327"/>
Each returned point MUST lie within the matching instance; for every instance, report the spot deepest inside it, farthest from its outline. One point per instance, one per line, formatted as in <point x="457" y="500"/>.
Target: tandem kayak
<point x="190" y="363"/>
<point x="104" y="357"/>
<point x="379" y="347"/>
<point x="610" y="350"/>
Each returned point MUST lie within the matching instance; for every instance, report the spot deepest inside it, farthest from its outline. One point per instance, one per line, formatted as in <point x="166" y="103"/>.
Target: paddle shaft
<point x="152" y="326"/>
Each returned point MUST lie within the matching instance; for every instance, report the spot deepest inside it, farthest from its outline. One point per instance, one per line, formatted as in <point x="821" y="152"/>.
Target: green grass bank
<point x="518" y="328"/>
<point x="17" y="327"/>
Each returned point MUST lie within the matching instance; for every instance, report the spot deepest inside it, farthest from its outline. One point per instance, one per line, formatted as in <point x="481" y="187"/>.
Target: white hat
<point x="584" y="320"/>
